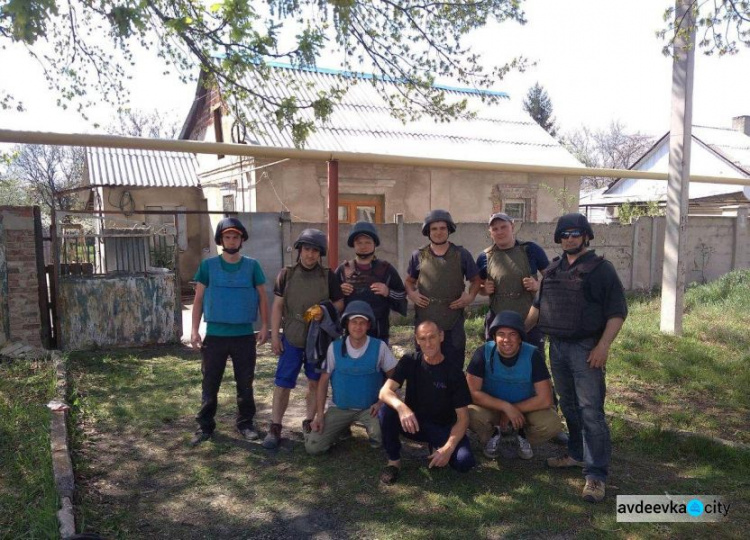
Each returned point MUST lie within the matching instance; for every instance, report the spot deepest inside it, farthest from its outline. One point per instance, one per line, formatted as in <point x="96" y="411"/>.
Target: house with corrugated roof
<point x="714" y="152"/>
<point x="131" y="181"/>
<point x="377" y="191"/>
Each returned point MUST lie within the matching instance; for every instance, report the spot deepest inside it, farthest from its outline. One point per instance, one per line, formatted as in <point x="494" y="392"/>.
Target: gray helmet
<point x="573" y="221"/>
<point x="230" y="224"/>
<point x="508" y="319"/>
<point x="314" y="238"/>
<point x="438" y="215"/>
<point x="357" y="307"/>
<point x="363" y="227"/>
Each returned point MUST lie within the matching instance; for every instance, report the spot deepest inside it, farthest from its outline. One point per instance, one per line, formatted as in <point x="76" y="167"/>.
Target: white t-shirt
<point x="386" y="360"/>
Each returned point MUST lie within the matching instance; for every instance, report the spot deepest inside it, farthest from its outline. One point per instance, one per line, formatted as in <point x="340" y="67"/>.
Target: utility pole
<point x="680" y="132"/>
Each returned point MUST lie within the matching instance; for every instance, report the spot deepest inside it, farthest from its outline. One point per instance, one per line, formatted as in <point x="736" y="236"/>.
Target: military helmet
<point x="357" y="307"/>
<point x="314" y="238"/>
<point x="508" y="319"/>
<point x="230" y="224"/>
<point x="438" y="215"/>
<point x="363" y="227"/>
<point x="573" y="221"/>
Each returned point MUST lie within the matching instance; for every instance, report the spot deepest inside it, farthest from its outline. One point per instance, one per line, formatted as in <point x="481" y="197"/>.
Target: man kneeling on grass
<point x="356" y="364"/>
<point x="435" y="409"/>
<point x="511" y="390"/>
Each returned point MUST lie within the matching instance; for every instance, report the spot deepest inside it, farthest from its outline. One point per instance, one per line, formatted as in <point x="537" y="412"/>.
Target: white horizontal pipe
<point x="234" y="149"/>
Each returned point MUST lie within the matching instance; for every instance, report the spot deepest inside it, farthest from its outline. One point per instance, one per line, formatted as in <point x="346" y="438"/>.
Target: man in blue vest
<point x="356" y="365"/>
<point x="510" y="389"/>
<point x="581" y="307"/>
<point x="229" y="294"/>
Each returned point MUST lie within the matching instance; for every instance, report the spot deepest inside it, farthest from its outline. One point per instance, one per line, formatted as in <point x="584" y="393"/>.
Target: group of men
<point x="506" y="392"/>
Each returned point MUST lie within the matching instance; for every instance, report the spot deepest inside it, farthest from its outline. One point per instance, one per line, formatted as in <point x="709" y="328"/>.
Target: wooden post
<point x="680" y="132"/>
<point x="333" y="214"/>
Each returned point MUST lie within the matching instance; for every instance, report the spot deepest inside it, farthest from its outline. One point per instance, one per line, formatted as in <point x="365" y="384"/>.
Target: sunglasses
<point x="571" y="234"/>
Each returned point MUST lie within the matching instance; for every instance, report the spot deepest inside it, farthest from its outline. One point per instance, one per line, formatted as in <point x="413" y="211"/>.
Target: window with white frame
<point x="515" y="208"/>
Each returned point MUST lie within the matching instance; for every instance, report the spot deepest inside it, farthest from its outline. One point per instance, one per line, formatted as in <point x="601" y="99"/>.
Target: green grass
<point x="28" y="500"/>
<point x="137" y="477"/>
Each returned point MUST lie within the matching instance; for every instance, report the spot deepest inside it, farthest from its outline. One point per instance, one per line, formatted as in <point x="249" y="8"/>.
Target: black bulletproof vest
<point x="564" y="311"/>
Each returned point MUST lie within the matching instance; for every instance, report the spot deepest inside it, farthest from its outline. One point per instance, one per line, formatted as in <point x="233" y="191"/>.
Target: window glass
<point x="366" y="213"/>
<point x="515" y="209"/>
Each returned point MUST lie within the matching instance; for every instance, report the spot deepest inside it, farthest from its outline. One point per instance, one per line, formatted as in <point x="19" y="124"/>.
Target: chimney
<point x="741" y="124"/>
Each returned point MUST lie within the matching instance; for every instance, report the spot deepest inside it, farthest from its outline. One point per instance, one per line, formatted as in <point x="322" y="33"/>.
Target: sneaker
<point x="199" y="437"/>
<point x="492" y="448"/>
<point x="306" y="426"/>
<point x="593" y="491"/>
<point x="389" y="474"/>
<point x="273" y="437"/>
<point x="561" y="438"/>
<point x="563" y="462"/>
<point x="249" y="433"/>
<point x="524" y="448"/>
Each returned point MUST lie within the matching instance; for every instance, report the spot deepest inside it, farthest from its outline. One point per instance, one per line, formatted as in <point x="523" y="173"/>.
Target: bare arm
<point x="276" y="311"/>
<point x="483" y="399"/>
<point x="413" y="294"/>
<point x="318" y="423"/>
<point x="406" y="415"/>
<point x="263" y="305"/>
<point x="532" y="318"/>
<point x="542" y="400"/>
<point x="598" y="355"/>
<point x="441" y="456"/>
<point x="195" y="336"/>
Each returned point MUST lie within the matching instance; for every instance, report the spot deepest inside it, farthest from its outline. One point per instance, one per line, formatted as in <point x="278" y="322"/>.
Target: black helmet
<point x="313" y="238"/>
<point x="573" y="221"/>
<point x="508" y="319"/>
<point x="230" y="224"/>
<point x="358" y="307"/>
<point x="438" y="215"/>
<point x="363" y="227"/>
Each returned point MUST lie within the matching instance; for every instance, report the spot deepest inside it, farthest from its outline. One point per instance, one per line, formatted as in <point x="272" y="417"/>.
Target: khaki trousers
<point x="540" y="426"/>
<point x="335" y="422"/>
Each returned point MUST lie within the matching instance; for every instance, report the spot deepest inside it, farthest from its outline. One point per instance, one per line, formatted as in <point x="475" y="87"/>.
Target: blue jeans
<point x="434" y="435"/>
<point x="582" y="390"/>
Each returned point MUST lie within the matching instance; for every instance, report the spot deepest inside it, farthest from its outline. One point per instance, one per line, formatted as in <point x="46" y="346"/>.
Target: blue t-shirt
<point x="222" y="329"/>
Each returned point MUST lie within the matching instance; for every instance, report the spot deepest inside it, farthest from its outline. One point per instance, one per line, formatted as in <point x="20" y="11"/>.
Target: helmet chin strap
<point x="364" y="255"/>
<point x="230" y="251"/>
<point x="574" y="251"/>
<point x="438" y="243"/>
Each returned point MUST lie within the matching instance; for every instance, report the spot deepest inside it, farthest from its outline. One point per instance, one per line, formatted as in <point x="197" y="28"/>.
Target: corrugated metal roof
<point x="140" y="168"/>
<point x="498" y="133"/>
<point x="731" y="144"/>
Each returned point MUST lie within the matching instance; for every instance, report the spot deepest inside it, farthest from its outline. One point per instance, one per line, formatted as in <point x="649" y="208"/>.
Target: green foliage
<point x="721" y="27"/>
<point x="86" y="49"/>
<point x="28" y="499"/>
<point x="564" y="198"/>
<point x="629" y="212"/>
<point x="538" y="104"/>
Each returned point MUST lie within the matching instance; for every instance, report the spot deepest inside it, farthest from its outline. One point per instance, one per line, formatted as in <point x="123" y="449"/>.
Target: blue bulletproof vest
<point x="231" y="297"/>
<point x="511" y="384"/>
<point x="356" y="382"/>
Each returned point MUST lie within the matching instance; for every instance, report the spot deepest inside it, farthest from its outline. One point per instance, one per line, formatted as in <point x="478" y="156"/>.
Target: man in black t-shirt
<point x="511" y="388"/>
<point x="435" y="409"/>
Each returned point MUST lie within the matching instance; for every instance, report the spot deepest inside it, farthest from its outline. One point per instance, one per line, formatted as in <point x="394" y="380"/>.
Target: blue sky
<point x="598" y="59"/>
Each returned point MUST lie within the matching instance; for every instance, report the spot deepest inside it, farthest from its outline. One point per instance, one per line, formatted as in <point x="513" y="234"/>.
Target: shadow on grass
<point x="148" y="483"/>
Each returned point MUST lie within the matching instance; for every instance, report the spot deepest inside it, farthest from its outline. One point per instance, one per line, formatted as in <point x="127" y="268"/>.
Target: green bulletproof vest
<point x="442" y="281"/>
<point x="304" y="288"/>
<point x="507" y="268"/>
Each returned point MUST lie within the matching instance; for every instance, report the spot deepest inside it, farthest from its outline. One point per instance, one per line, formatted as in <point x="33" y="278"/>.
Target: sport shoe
<point x="273" y="437"/>
<point x="389" y="474"/>
<point x="199" y="437"/>
<point x="249" y="433"/>
<point x="563" y="462"/>
<point x="593" y="491"/>
<point x="524" y="448"/>
<point x="492" y="448"/>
